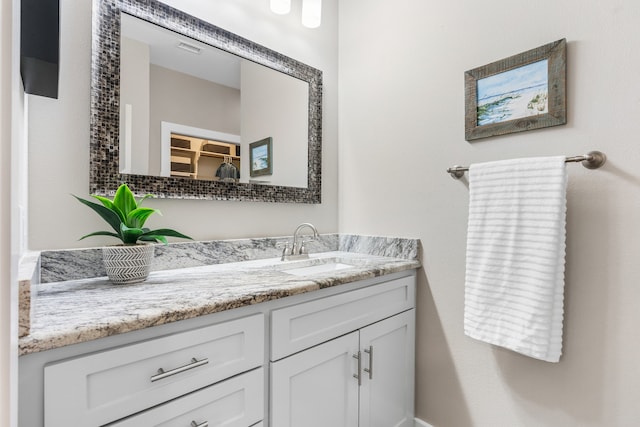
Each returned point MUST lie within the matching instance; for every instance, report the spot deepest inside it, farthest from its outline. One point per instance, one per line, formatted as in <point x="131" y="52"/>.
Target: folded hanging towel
<point x="514" y="286"/>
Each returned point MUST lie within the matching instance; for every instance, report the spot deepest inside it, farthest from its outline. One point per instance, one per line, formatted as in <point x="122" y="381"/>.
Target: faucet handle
<point x="286" y="251"/>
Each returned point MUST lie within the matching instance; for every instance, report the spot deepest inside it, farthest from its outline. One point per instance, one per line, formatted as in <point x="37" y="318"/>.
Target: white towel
<point x="514" y="287"/>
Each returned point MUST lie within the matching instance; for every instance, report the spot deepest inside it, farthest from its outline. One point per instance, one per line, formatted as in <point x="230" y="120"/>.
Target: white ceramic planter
<point x="127" y="264"/>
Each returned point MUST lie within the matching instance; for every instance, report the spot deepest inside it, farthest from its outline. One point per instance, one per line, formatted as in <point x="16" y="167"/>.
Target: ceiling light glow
<point x="311" y="13"/>
<point x="280" y="7"/>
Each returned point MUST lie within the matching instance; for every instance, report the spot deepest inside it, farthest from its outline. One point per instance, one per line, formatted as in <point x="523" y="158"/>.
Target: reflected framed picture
<point x="522" y="92"/>
<point x="260" y="158"/>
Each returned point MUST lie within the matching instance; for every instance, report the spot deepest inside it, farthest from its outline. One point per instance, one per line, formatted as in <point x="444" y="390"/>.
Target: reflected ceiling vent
<point x="189" y="47"/>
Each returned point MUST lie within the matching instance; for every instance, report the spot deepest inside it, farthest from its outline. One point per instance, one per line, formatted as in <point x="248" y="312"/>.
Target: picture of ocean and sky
<point x="260" y="157"/>
<point x="513" y="94"/>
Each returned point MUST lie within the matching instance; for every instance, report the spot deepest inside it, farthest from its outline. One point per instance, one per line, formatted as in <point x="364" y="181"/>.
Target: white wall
<point x="134" y="94"/>
<point x="275" y="105"/>
<point x="13" y="203"/>
<point x="190" y="101"/>
<point x="59" y="133"/>
<point x="5" y="223"/>
<point x="7" y="385"/>
<point x="401" y="91"/>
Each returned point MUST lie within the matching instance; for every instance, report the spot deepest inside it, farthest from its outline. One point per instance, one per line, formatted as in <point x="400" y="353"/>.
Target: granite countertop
<point x="75" y="311"/>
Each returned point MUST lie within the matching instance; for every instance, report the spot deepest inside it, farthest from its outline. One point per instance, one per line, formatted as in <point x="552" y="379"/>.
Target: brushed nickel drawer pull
<point x="358" y="376"/>
<point x="194" y="364"/>
<point x="203" y="424"/>
<point x="369" y="351"/>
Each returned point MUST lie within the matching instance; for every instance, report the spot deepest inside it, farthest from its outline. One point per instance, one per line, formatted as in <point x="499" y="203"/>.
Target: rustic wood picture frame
<point x="555" y="107"/>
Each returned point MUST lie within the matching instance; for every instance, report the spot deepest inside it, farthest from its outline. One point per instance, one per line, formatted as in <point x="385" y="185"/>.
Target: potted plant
<point x="130" y="261"/>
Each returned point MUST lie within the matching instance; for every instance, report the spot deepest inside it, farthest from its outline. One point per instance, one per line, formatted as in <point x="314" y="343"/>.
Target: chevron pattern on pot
<point x="126" y="264"/>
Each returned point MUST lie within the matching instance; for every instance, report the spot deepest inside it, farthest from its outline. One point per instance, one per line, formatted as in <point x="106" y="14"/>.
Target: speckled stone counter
<point x="81" y="310"/>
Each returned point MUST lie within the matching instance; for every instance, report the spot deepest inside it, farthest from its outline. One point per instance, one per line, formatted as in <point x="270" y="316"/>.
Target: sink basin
<point x="318" y="269"/>
<point x="318" y="266"/>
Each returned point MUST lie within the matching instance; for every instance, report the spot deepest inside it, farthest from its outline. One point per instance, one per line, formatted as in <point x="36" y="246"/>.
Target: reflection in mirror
<point x="199" y="158"/>
<point x="168" y="80"/>
<point x="154" y="87"/>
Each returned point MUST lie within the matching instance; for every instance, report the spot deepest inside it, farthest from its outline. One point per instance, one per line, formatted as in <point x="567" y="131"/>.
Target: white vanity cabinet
<point x="356" y="367"/>
<point x="106" y="386"/>
<point x="338" y="356"/>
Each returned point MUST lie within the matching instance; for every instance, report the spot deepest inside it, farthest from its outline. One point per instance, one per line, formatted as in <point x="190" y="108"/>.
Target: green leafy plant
<point x="127" y="218"/>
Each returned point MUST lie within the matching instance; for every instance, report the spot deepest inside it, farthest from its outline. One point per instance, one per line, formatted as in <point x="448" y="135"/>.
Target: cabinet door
<point x="387" y="392"/>
<point x="316" y="387"/>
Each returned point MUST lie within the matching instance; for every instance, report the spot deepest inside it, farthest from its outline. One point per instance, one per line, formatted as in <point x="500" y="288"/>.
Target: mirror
<point x="189" y="109"/>
<point x="175" y="150"/>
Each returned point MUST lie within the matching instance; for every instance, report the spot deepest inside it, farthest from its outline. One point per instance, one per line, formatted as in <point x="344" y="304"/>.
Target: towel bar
<point x="591" y="160"/>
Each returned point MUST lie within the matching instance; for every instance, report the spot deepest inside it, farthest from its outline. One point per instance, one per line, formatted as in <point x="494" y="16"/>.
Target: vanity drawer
<point x="304" y="325"/>
<point x="237" y="402"/>
<point x="99" y="388"/>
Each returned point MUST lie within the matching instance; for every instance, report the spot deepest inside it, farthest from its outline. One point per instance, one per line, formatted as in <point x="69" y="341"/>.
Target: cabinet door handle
<point x="202" y="424"/>
<point x="369" y="351"/>
<point x="358" y="376"/>
<point x="194" y="364"/>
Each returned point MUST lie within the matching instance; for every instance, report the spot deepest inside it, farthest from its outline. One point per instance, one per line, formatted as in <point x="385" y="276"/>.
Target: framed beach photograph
<point x="522" y="92"/>
<point x="260" y="159"/>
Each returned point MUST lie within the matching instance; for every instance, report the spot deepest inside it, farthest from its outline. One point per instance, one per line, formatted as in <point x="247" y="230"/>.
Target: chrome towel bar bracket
<point x="591" y="160"/>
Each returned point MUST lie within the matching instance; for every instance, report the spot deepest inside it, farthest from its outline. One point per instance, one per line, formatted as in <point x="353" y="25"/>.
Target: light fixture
<point x="281" y="7"/>
<point x="311" y="13"/>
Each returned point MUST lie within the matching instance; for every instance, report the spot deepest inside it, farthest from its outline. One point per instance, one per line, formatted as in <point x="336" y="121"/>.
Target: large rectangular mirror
<point x="177" y="102"/>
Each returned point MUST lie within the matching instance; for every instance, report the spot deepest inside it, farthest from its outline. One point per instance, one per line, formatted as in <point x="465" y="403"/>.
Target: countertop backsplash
<point x="74" y="264"/>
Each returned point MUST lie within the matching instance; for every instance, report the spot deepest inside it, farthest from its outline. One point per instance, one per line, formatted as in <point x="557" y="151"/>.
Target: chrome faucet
<point x="298" y="250"/>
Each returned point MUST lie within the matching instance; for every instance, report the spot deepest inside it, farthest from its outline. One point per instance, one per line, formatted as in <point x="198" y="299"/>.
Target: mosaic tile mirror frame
<point x="105" y="175"/>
